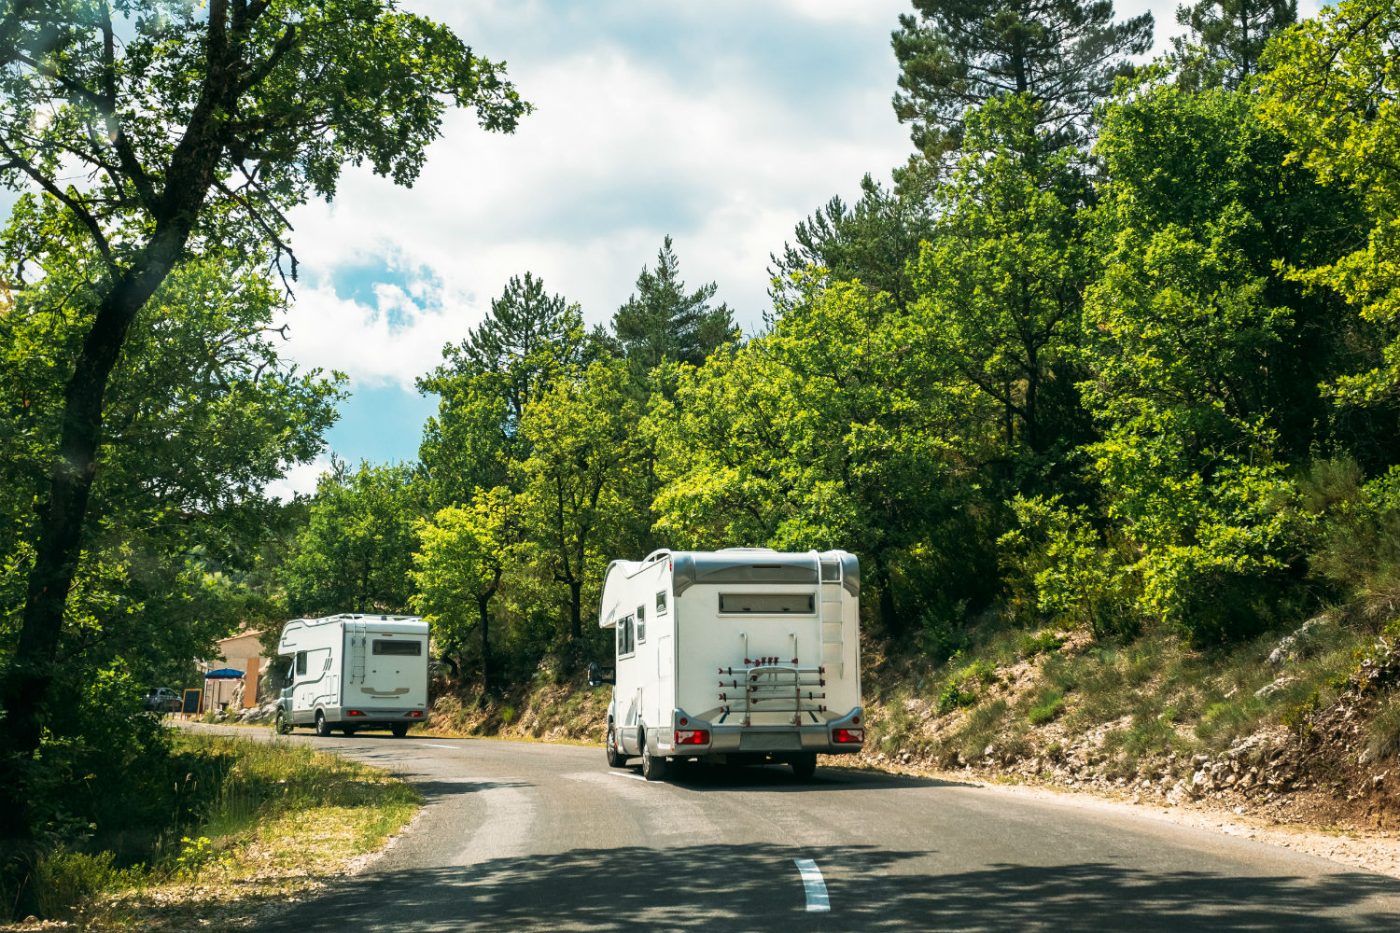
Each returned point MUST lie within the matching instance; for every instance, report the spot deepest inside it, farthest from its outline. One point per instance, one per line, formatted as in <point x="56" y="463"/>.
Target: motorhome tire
<point x="348" y="730"/>
<point x="400" y="729"/>
<point x="615" y="757"/>
<point x="804" y="766"/>
<point x="653" y="766"/>
<point x="323" y="728"/>
<point x="280" y="725"/>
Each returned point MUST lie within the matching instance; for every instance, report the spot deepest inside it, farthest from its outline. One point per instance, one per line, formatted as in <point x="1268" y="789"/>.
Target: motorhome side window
<point x="766" y="603"/>
<point x="410" y="649"/>
<point x="641" y="624"/>
<point x="301" y="663"/>
<point x="661" y="603"/>
<point x="625" y="635"/>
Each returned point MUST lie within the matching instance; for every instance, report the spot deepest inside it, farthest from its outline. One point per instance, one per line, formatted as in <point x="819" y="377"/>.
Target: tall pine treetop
<point x="1227" y="37"/>
<point x="662" y="322"/>
<point x="955" y="54"/>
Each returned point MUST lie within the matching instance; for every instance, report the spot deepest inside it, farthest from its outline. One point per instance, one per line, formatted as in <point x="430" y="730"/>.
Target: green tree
<point x="661" y="321"/>
<point x="1203" y="359"/>
<point x="954" y="55"/>
<point x="459" y="566"/>
<point x="484" y="384"/>
<point x="584" y="477"/>
<point x="1331" y="88"/>
<point x="355" y="553"/>
<point x="871" y="240"/>
<point x="200" y="415"/>
<point x="199" y="125"/>
<point x="1227" y="38"/>
<point x="834" y="430"/>
<point x="1002" y="280"/>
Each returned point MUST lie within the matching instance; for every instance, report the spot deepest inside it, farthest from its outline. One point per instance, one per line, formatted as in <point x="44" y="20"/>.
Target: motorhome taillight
<point x="415" y="714"/>
<point x="692" y="737"/>
<point x="354" y="712"/>
<point x="848" y="736"/>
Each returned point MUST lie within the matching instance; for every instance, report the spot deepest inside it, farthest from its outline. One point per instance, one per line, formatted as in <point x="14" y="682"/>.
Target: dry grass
<point x="283" y="820"/>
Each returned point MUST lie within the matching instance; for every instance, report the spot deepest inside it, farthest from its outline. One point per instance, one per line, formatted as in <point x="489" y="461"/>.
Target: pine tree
<point x="528" y="334"/>
<point x="662" y="322"/>
<point x="1227" y="37"/>
<point x="1064" y="54"/>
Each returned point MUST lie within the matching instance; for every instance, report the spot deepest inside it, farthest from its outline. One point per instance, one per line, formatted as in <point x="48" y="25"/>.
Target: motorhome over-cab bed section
<point x="741" y="654"/>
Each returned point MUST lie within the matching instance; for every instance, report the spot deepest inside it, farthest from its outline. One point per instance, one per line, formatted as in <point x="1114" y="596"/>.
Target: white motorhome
<point x="354" y="672"/>
<point x="740" y="655"/>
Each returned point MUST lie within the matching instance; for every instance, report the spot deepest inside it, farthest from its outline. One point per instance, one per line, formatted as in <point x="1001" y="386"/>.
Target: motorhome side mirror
<point x="597" y="676"/>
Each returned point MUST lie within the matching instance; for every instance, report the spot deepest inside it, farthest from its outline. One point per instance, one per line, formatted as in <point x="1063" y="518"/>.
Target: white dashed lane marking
<point x="813" y="885"/>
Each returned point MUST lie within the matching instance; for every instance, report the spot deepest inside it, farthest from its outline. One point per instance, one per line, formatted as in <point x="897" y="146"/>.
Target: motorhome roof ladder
<point x="829" y="612"/>
<point x="355" y="632"/>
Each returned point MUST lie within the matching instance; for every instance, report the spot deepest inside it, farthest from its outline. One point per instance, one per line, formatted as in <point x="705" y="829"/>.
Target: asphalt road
<point x="521" y="836"/>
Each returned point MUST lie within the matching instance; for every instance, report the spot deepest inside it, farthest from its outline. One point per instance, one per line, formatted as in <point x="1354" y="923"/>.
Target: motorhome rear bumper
<point x="733" y="739"/>
<point x="372" y="717"/>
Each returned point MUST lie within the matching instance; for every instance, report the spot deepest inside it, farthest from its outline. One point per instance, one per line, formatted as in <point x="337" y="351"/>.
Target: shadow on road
<point x="757" y="887"/>
<point x="701" y="778"/>
<point x="436" y="790"/>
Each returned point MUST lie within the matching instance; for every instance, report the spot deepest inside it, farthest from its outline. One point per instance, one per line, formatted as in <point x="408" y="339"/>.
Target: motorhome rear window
<point x="765" y="603"/>
<point x="407" y="648"/>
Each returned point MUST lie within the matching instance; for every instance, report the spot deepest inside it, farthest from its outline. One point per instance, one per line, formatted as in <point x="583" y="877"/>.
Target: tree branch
<point x="67" y="200"/>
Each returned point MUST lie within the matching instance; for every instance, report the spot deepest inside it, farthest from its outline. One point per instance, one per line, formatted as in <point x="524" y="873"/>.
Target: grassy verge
<point x="275" y="820"/>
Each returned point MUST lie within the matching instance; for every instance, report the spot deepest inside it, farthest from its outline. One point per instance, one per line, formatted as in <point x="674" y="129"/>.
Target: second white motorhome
<point x="745" y="654"/>
<point x="353" y="672"/>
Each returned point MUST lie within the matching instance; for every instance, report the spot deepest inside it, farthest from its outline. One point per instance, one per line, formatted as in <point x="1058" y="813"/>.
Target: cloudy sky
<point x="722" y="123"/>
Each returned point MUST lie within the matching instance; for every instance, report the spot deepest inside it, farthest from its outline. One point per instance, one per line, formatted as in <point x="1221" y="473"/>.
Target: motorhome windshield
<point x="765" y="603"/>
<point x="406" y="648"/>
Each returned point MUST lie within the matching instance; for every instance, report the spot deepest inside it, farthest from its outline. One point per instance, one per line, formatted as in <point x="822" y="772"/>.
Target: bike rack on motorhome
<point x="745" y="654"/>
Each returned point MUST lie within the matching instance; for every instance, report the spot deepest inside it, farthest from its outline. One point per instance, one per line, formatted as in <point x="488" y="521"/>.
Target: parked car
<point x="161" y="700"/>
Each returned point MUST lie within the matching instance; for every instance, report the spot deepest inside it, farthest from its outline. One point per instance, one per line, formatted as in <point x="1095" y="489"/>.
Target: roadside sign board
<point x="191" y="701"/>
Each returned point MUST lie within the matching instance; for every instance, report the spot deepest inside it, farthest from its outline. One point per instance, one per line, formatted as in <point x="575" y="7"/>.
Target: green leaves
<point x="355" y="552"/>
<point x="1331" y="90"/>
<point x="661" y="321"/>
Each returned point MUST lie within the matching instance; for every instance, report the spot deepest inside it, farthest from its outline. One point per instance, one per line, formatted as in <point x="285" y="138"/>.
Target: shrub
<point x="953" y="696"/>
<point x="1049" y="706"/>
<point x="1383" y="734"/>
<point x="1041" y="642"/>
<point x="1061" y="565"/>
<point x="65" y="878"/>
<point x="1360" y="548"/>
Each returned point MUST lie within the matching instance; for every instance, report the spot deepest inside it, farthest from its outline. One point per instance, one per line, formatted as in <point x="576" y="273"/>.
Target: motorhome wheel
<point x="653" y="766"/>
<point x="615" y="757"/>
<point x="280" y="724"/>
<point x="348" y="730"/>
<point x="323" y="728"/>
<point x="400" y="729"/>
<point x="804" y="766"/>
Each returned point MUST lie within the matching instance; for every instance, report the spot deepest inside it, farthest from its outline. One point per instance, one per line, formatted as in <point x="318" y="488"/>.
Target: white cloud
<point x="299" y="479"/>
<point x="389" y="342"/>
<point x="625" y="147"/>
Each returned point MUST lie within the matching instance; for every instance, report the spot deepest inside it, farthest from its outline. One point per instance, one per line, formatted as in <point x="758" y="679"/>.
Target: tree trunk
<point x="576" y="610"/>
<point x="484" y="622"/>
<point x="889" y="615"/>
<point x="61" y="517"/>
